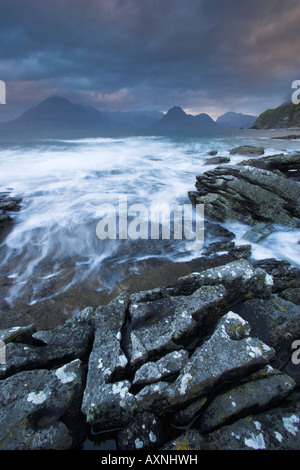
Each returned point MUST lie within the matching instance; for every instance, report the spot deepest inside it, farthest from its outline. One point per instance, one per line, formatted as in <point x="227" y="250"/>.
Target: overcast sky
<point x="203" y="55"/>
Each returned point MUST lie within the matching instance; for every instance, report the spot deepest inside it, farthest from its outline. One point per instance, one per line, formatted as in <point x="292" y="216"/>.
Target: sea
<point x="53" y="263"/>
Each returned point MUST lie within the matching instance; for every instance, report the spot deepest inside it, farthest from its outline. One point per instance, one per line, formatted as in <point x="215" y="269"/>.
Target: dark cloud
<point x="130" y="54"/>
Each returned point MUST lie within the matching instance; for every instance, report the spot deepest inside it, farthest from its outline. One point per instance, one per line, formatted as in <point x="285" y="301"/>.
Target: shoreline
<point x="205" y="362"/>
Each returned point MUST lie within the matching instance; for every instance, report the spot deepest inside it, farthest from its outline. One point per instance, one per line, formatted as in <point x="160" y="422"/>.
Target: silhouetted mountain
<point x="176" y="118"/>
<point x="133" y="119"/>
<point x="236" y="120"/>
<point x="59" y="113"/>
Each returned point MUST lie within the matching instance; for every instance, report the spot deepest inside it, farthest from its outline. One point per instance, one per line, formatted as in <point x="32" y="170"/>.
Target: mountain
<point x="134" y="119"/>
<point x="236" y="120"/>
<point x="59" y="113"/>
<point x="176" y="118"/>
<point x="284" y="116"/>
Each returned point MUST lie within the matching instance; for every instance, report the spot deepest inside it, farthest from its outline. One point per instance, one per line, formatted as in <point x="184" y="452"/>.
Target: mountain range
<point x="59" y="113"/>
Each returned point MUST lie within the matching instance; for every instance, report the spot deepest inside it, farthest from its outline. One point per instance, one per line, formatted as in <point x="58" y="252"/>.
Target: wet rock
<point x="247" y="150"/>
<point x="35" y="406"/>
<point x="144" y="432"/>
<point x="247" y="194"/>
<point x="217" y="160"/>
<point x="264" y="388"/>
<point x="259" y="232"/>
<point x="288" y="165"/>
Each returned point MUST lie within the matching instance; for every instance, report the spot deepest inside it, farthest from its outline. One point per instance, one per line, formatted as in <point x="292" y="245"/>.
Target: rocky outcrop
<point x="282" y="117"/>
<point x="247" y="194"/>
<point x="7" y="204"/>
<point x="189" y="354"/>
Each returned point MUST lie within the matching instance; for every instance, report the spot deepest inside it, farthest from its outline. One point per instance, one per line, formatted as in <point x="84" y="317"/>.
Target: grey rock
<point x="240" y="279"/>
<point x="185" y="416"/>
<point x="17" y="333"/>
<point x="284" y="275"/>
<point x="155" y="371"/>
<point x="292" y="295"/>
<point x="265" y="388"/>
<point x="275" y="321"/>
<point x="229" y="352"/>
<point x="107" y="401"/>
<point x="46" y="348"/>
<point x="35" y="405"/>
<point x="248" y="195"/>
<point x="144" y="432"/>
<point x="259" y="232"/>
<point x="286" y="164"/>
<point x="247" y="150"/>
<point x="277" y="429"/>
<point x="170" y="322"/>
<point x="217" y="160"/>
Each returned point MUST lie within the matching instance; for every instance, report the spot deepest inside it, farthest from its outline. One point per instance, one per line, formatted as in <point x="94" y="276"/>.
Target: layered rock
<point x="247" y="194"/>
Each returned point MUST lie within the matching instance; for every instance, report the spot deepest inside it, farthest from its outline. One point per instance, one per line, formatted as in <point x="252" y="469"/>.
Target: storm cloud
<point x="204" y="55"/>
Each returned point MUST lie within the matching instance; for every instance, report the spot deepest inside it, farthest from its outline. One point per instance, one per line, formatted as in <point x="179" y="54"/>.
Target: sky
<point x="207" y="56"/>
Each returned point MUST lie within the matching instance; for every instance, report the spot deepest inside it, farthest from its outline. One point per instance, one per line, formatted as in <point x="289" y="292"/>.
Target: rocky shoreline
<point x="208" y="362"/>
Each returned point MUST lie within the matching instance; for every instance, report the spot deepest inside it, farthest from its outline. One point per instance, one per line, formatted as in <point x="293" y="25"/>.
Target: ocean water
<point x="53" y="263"/>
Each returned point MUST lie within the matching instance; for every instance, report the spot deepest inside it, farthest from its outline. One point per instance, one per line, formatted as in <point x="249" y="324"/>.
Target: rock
<point x="277" y="429"/>
<point x="264" y="388"/>
<point x="288" y="165"/>
<point x="288" y="137"/>
<point x="144" y="432"/>
<point x="185" y="416"/>
<point x="292" y="295"/>
<point x="35" y="406"/>
<point x="217" y="160"/>
<point x="107" y="402"/>
<point x="247" y="194"/>
<point x="164" y="325"/>
<point x="247" y="150"/>
<point x="213" y="152"/>
<point x="228" y="353"/>
<point x="240" y="279"/>
<point x="27" y="348"/>
<point x="275" y="321"/>
<point x="283" y="274"/>
<point x="258" y="232"/>
<point x="166" y="366"/>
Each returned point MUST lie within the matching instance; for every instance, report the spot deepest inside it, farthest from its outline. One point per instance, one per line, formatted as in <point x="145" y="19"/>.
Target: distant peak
<point x="56" y="99"/>
<point x="176" y="110"/>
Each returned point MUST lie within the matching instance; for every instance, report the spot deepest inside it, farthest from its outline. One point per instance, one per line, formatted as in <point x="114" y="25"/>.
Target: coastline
<point x="206" y="362"/>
